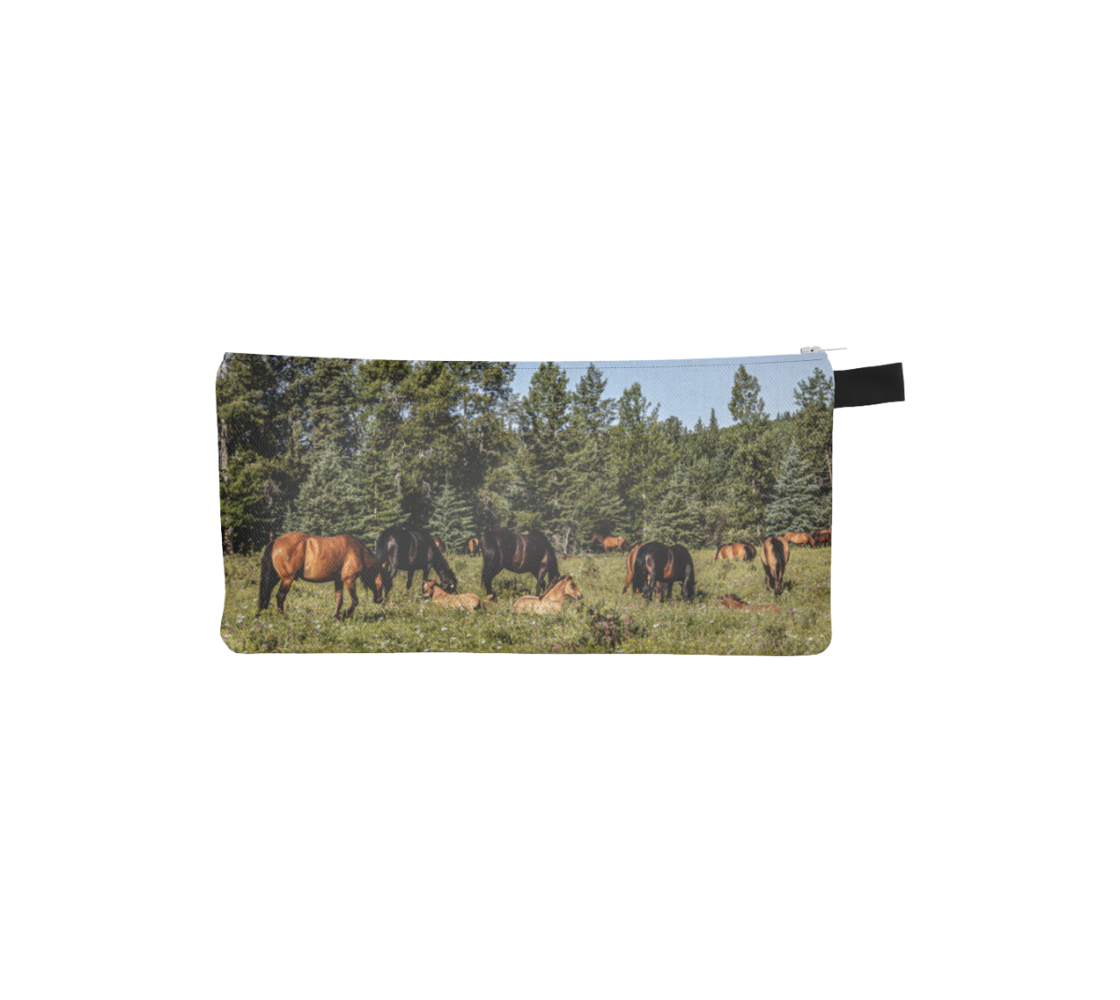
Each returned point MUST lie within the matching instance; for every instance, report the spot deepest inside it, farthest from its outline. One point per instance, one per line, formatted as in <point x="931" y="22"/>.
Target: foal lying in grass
<point x="552" y="602"/>
<point x="437" y="595"/>
<point x="732" y="602"/>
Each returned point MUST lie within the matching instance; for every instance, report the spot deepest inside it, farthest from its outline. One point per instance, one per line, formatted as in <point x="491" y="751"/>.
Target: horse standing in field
<point x="800" y="538"/>
<point x="552" y="602"/>
<point x="474" y="547"/>
<point x="823" y="537"/>
<point x="742" y="551"/>
<point x="775" y="555"/>
<point x="610" y="543"/>
<point x="531" y="552"/>
<point x="412" y="549"/>
<point x="658" y="567"/>
<point x="340" y="559"/>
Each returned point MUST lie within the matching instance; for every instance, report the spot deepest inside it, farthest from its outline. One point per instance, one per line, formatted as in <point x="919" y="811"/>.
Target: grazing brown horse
<point x="823" y="537"/>
<point x="658" y="567"/>
<point x="340" y="559"/>
<point x="775" y="555"/>
<point x="411" y="550"/>
<point x="474" y="547"/>
<point x="733" y="602"/>
<point x="433" y="592"/>
<point x="743" y="551"/>
<point x="520" y="553"/>
<point x="610" y="543"/>
<point x="552" y="601"/>
<point x="800" y="538"/>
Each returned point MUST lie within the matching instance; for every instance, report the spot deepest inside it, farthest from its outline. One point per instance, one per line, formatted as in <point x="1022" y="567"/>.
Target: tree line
<point x="327" y="445"/>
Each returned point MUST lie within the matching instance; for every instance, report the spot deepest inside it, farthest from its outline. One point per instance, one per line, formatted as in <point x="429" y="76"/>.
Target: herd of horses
<point x="651" y="567"/>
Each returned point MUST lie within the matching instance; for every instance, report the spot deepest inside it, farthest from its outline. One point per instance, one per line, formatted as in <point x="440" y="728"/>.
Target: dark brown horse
<point x="658" y="567"/>
<point x="474" y="547"/>
<point x="743" y="551"/>
<point x="340" y="559"/>
<point x="775" y="555"/>
<point x="413" y="549"/>
<point x="800" y="538"/>
<point x="520" y="553"/>
<point x="823" y="537"/>
<point x="610" y="543"/>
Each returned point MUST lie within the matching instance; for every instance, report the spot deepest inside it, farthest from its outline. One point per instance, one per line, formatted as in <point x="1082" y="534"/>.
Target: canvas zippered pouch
<point x="555" y="507"/>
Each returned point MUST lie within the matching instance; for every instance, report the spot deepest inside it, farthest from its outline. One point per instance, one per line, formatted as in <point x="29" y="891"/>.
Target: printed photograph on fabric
<point x="564" y="507"/>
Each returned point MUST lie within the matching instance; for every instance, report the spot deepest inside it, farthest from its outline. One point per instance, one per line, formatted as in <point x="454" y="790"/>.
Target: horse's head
<point x="571" y="590"/>
<point x="427" y="591"/>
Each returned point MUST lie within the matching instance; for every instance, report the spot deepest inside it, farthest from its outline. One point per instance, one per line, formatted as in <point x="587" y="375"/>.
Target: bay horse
<point x="742" y="551"/>
<point x="433" y="592"/>
<point x="474" y="547"/>
<point x="775" y="555"/>
<point x="552" y="602"/>
<point x="340" y="559"/>
<point x="800" y="538"/>
<point x="658" y="567"/>
<point x="412" y="549"/>
<point x="823" y="537"/>
<point x="531" y="552"/>
<point x="610" y="543"/>
<point x="732" y="601"/>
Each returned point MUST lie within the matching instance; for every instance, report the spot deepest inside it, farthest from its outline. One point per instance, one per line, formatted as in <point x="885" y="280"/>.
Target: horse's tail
<point x="269" y="576"/>
<point x="638" y="581"/>
<point x="779" y="551"/>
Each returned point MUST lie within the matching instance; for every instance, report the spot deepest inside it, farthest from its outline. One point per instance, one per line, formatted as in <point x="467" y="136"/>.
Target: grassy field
<point x="605" y="621"/>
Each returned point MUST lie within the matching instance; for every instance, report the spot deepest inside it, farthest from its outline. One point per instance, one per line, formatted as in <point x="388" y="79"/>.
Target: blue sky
<point x="692" y="394"/>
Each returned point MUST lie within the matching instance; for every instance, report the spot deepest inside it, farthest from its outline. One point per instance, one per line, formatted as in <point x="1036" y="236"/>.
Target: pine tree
<point x="381" y="506"/>
<point x="260" y="458"/>
<point x="331" y="404"/>
<point x="546" y="436"/>
<point x="331" y="501"/>
<point x="796" y="504"/>
<point x="592" y="413"/>
<point x="676" y="518"/>
<point x="451" y="519"/>
<point x="746" y="404"/>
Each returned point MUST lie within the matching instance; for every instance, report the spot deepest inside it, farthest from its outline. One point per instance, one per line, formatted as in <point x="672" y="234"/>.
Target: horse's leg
<point x="408" y="582"/>
<point x="666" y="591"/>
<point x="487" y="579"/>
<point x="338" y="600"/>
<point x="282" y="593"/>
<point x="541" y="576"/>
<point x="352" y="587"/>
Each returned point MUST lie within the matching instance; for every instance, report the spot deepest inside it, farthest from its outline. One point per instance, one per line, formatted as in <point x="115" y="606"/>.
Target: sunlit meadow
<point x="605" y="621"/>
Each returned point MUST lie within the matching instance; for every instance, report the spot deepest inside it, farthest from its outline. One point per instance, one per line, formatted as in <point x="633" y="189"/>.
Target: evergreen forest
<point x="327" y="445"/>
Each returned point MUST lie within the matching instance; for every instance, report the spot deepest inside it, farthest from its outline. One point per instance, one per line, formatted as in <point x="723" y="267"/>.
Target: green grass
<point x="629" y="623"/>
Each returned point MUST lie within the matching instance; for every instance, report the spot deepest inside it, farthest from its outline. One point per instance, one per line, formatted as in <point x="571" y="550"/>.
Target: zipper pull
<point x="821" y="350"/>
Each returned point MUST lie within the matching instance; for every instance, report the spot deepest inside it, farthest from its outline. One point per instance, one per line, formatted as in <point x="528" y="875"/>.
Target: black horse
<point x="658" y="567"/>
<point x="527" y="553"/>
<point x="413" y="549"/>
